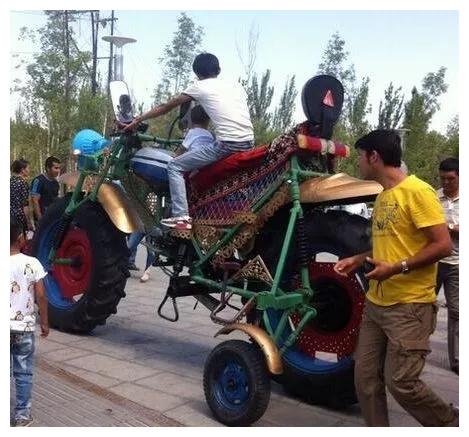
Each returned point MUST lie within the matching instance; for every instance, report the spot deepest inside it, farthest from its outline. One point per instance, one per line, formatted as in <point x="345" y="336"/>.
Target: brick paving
<point x="140" y="370"/>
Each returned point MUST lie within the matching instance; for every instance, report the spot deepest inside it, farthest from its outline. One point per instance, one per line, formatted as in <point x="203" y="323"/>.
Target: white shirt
<point x="197" y="137"/>
<point x="226" y="105"/>
<point x="25" y="271"/>
<point x="451" y="208"/>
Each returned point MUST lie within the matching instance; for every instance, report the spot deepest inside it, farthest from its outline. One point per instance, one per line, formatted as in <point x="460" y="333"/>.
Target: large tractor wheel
<point x="86" y="292"/>
<point x="319" y="367"/>
<point x="236" y="383"/>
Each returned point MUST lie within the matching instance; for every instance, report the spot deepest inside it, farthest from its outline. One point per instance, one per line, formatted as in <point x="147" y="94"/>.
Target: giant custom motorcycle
<point x="260" y="255"/>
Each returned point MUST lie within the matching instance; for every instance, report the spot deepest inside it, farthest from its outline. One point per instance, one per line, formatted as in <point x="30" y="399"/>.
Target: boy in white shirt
<point x="226" y="105"/>
<point x="26" y="274"/>
<point x="198" y="134"/>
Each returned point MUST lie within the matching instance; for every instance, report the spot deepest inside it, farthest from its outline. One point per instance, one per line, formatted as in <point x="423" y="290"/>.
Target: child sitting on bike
<point x="226" y="105"/>
<point x="198" y="134"/>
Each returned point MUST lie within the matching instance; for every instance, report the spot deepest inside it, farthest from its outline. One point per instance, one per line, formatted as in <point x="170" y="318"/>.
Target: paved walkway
<point x="60" y="398"/>
<point x="144" y="371"/>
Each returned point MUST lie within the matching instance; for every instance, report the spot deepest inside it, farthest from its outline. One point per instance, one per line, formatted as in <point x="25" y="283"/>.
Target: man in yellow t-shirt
<point x="409" y="236"/>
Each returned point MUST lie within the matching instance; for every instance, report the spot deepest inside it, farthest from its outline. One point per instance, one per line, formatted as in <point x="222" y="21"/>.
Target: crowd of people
<point x="29" y="202"/>
<point x="415" y="249"/>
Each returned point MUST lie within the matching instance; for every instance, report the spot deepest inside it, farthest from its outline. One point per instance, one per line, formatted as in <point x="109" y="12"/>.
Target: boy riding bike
<point x="226" y="105"/>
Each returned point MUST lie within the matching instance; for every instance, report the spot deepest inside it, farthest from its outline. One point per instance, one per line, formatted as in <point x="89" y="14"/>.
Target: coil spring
<point x="179" y="263"/>
<point x="301" y="242"/>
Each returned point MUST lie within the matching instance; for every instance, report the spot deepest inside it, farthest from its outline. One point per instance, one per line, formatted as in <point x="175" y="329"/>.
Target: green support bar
<point x="266" y="299"/>
<point x="284" y="252"/>
<point x="268" y="326"/>
<point x="294" y="334"/>
<point x="218" y="286"/>
<point x="196" y="247"/>
<point x="213" y="249"/>
<point x="281" y="325"/>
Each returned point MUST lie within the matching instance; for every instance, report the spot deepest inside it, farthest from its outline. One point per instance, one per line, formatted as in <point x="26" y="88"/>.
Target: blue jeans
<point x="134" y="240"/>
<point x="132" y="243"/>
<point x="194" y="159"/>
<point x="21" y="366"/>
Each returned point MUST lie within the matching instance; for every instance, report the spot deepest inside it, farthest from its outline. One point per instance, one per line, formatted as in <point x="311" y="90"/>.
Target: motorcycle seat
<point x="226" y="167"/>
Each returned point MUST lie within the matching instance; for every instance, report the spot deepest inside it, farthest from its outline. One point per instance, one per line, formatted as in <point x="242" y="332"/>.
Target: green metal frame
<point x="274" y="298"/>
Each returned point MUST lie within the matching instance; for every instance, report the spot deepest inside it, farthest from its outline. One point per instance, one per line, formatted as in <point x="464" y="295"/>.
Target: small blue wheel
<point x="236" y="383"/>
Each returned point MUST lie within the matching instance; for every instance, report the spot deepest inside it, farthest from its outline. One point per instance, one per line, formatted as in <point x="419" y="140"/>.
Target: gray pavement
<point x="140" y="370"/>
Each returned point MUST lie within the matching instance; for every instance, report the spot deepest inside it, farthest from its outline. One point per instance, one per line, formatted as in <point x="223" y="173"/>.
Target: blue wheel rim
<point x="54" y="294"/>
<point x="300" y="360"/>
<point x="231" y="386"/>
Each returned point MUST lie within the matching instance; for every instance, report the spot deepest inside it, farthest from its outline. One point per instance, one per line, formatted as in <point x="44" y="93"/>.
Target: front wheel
<point x="236" y="383"/>
<point x="85" y="290"/>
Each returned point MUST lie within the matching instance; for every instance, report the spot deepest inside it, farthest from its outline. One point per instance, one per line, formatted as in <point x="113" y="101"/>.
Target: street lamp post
<point x="119" y="42"/>
<point x="402" y="132"/>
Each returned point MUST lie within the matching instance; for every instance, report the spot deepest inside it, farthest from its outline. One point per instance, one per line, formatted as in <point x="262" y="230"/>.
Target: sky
<point x="397" y="46"/>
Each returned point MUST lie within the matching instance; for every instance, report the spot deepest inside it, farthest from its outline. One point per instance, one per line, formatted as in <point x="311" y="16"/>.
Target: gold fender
<point x="119" y="209"/>
<point x="337" y="187"/>
<point x="271" y="352"/>
<point x="114" y="202"/>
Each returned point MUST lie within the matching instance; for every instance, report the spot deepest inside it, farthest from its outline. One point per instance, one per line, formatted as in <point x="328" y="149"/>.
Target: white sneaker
<point x="182" y="223"/>
<point x="145" y="277"/>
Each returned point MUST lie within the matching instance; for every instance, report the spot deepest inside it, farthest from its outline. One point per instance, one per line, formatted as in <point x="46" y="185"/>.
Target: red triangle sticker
<point x="328" y="100"/>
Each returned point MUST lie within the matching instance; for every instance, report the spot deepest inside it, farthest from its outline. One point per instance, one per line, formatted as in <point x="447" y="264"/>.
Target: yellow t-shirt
<point x="398" y="216"/>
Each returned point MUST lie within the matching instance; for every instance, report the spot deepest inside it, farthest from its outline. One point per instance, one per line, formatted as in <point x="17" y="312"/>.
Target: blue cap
<point x="88" y="142"/>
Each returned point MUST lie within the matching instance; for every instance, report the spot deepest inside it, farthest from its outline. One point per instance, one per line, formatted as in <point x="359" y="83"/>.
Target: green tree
<point x="283" y="115"/>
<point x="333" y="62"/>
<point x="424" y="147"/>
<point x="176" y="60"/>
<point x="452" y="139"/>
<point x="259" y="99"/>
<point x="54" y="95"/>
<point x="358" y="109"/>
<point x="391" y="110"/>
<point x="433" y="86"/>
<point x="353" y="121"/>
<point x="179" y="54"/>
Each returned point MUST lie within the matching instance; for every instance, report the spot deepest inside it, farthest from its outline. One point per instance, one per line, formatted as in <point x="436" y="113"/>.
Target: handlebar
<point x="145" y="137"/>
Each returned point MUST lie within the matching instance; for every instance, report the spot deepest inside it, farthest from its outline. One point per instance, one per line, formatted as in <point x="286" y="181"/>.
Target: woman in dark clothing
<point x="19" y="193"/>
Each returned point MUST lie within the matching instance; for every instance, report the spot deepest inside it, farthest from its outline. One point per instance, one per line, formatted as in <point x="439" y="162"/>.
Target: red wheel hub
<point x="74" y="279"/>
<point x="341" y="342"/>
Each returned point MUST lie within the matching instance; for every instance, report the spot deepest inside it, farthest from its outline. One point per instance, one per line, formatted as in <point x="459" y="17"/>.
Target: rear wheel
<point x="319" y="366"/>
<point x="85" y="292"/>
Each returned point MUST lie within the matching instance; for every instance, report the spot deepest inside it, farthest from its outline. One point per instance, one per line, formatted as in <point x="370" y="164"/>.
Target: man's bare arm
<point x="439" y="245"/>
<point x="41" y="299"/>
<point x="27" y="214"/>
<point x="348" y="265"/>
<point x="160" y="110"/>
<point x="36" y="207"/>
